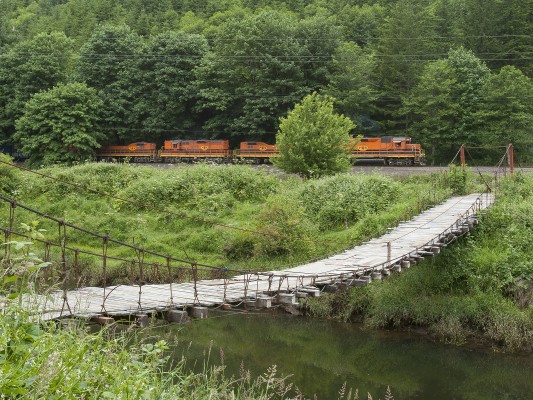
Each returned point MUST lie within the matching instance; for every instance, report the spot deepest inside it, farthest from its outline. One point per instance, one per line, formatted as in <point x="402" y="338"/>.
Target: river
<point x="321" y="356"/>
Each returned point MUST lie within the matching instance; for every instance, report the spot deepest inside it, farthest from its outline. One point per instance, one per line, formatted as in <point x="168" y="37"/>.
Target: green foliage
<point x="432" y="106"/>
<point x="351" y="84"/>
<point x="343" y="200"/>
<point x="457" y="180"/>
<point x="284" y="230"/>
<point x="207" y="189"/>
<point x="482" y="286"/>
<point x="403" y="49"/>
<point x="343" y="305"/>
<point x="27" y="68"/>
<point x="313" y="140"/>
<point x="10" y="178"/>
<point x="107" y="63"/>
<point x="253" y="74"/>
<point x="166" y="91"/>
<point x="506" y="114"/>
<point x="444" y="101"/>
<point x="60" y="125"/>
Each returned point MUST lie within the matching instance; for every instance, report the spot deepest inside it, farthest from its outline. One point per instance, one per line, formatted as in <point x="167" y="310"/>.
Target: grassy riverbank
<point x="233" y="216"/>
<point x="191" y="212"/>
<point x="479" y="289"/>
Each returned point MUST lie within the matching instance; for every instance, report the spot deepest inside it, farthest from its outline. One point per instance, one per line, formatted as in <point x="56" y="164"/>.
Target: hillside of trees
<point x="96" y="72"/>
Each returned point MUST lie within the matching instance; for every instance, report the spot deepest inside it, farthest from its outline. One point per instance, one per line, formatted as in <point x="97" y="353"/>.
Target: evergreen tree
<point x="406" y="44"/>
<point x="444" y="102"/>
<point x="351" y="85"/>
<point x="252" y="76"/>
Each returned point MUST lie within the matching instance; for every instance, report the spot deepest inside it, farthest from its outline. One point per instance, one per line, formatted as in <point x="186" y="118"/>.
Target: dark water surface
<point x="321" y="356"/>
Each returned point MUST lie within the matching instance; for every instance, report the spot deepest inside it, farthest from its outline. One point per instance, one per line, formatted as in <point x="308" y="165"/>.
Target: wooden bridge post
<point x="225" y="285"/>
<point x="140" y="257"/>
<point x="195" y="279"/>
<point x="63" y="243"/>
<point x="510" y="150"/>
<point x="170" y="281"/>
<point x="8" y="233"/>
<point x="104" y="268"/>
<point x="76" y="263"/>
<point x="246" y="283"/>
<point x="463" y="158"/>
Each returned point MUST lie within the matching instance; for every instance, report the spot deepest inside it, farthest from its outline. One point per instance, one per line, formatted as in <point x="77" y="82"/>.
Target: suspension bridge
<point x="193" y="288"/>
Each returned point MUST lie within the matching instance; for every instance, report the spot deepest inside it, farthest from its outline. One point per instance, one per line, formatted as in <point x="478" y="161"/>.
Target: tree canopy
<point x="60" y="125"/>
<point x="231" y="69"/>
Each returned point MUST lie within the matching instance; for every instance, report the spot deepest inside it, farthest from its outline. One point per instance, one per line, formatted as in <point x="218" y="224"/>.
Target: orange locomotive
<point x="137" y="152"/>
<point x="257" y="152"/>
<point x="391" y="150"/>
<point x="190" y="150"/>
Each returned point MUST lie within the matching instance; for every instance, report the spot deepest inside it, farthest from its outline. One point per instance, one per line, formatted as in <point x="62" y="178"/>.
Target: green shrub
<point x="284" y="229"/>
<point x="342" y="200"/>
<point x="206" y="189"/>
<point x="239" y="247"/>
<point x="10" y="177"/>
<point x="343" y="305"/>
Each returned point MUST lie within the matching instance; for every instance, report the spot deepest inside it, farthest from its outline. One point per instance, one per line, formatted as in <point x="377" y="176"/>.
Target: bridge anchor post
<point x="177" y="316"/>
<point x="198" y="312"/>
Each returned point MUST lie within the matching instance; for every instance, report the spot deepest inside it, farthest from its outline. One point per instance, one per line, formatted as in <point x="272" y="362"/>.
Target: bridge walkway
<point x="409" y="242"/>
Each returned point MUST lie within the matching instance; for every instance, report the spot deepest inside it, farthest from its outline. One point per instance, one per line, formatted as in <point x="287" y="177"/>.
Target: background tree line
<point x="444" y="72"/>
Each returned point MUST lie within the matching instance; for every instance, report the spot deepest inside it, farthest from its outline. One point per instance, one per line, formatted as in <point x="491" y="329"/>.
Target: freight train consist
<point x="388" y="149"/>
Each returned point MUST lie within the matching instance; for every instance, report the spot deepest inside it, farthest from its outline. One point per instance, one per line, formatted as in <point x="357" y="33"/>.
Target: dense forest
<point x="84" y="73"/>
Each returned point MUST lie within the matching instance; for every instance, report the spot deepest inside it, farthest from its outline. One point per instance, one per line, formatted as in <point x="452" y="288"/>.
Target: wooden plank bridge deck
<point x="409" y="242"/>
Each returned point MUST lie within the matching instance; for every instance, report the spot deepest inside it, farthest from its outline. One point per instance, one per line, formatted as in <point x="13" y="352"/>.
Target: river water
<point x="321" y="355"/>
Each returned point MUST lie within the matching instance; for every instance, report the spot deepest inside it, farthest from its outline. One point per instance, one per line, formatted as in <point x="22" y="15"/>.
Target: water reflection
<point x="321" y="356"/>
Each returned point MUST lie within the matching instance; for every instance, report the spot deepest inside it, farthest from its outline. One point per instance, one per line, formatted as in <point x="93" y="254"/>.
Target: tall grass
<point x="190" y="212"/>
<point x="480" y="288"/>
<point x="66" y="360"/>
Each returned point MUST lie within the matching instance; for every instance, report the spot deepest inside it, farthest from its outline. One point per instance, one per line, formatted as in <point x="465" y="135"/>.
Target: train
<point x="389" y="150"/>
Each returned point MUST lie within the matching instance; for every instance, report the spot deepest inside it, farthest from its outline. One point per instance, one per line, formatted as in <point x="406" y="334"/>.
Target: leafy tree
<point x="79" y="18"/>
<point x="313" y="140"/>
<point x="443" y="104"/>
<point x="60" y="125"/>
<point x="253" y="75"/>
<point x="166" y="92"/>
<point x="433" y="109"/>
<point x="7" y="30"/>
<point x="361" y="23"/>
<point x="351" y="85"/>
<point x="318" y="38"/>
<point x="506" y="114"/>
<point x="27" y="68"/>
<point x="108" y="62"/>
<point x="405" y="45"/>
<point x="470" y="74"/>
<point x="191" y="23"/>
<point x="500" y="32"/>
